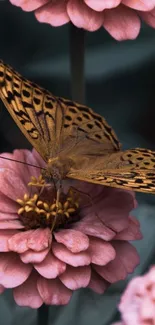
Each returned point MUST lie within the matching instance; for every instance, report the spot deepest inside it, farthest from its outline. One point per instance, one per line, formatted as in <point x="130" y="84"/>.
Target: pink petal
<point x="54" y="13"/>
<point x="122" y="23"/>
<point x="63" y="254"/>
<point x="28" y="5"/>
<point x="127" y="254"/>
<point x="27" y="294"/>
<point x="125" y="262"/>
<point x="8" y="184"/>
<point x="18" y="242"/>
<point x="1" y="289"/>
<point x="100" y="251"/>
<point x="7" y="205"/>
<point x="51" y="267"/>
<point x="132" y="232"/>
<point x="148" y="17"/>
<point x="34" y="257"/>
<point x="16" y="167"/>
<point x="53" y="292"/>
<point x="144" y="5"/>
<point x="111" y="208"/>
<point x="74" y="240"/>
<point x="76" y="277"/>
<point x="37" y="240"/>
<point x="97" y="284"/>
<point x="40" y="239"/>
<point x="92" y="226"/>
<point x="84" y="17"/>
<point x="147" y="310"/>
<point x="6" y="216"/>
<point x="12" y="271"/>
<point x="100" y="5"/>
<point x="10" y="224"/>
<point x="4" y="236"/>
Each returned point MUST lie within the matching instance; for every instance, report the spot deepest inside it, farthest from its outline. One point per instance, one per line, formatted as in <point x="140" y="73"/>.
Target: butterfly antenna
<point x="21" y="162"/>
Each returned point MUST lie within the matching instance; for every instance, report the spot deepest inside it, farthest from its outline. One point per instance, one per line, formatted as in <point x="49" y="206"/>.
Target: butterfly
<point x="74" y="141"/>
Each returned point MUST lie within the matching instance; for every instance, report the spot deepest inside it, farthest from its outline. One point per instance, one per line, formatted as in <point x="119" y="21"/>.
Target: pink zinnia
<point x="121" y="18"/>
<point x="88" y="249"/>
<point x="137" y="304"/>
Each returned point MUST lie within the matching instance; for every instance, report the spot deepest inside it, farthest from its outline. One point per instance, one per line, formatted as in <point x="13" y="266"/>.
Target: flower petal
<point x="76" y="277"/>
<point x="97" y="284"/>
<point x="27" y="294"/>
<point x="78" y="259"/>
<point x="54" y="13"/>
<point x="144" y="5"/>
<point x="1" y="289"/>
<point x="51" y="267"/>
<point x="125" y="262"/>
<point x="132" y="232"/>
<point x="7" y="205"/>
<point x="100" y="251"/>
<point x="28" y="5"/>
<point x="12" y="271"/>
<point x="122" y="23"/>
<point x="148" y="17"/>
<point x="34" y="257"/>
<point x="8" y="184"/>
<point x="18" y="242"/>
<point x="53" y="292"/>
<point x="4" y="236"/>
<point x="10" y="224"/>
<point x="84" y="17"/>
<point x="39" y="239"/>
<point x="100" y="5"/>
<point x="74" y="240"/>
<point x="92" y="226"/>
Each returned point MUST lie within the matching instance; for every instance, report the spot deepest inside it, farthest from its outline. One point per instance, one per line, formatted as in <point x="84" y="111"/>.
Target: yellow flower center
<point x="39" y="210"/>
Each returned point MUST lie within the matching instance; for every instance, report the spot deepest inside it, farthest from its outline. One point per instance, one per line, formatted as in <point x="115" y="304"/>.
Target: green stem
<point x="42" y="315"/>
<point x="77" y="61"/>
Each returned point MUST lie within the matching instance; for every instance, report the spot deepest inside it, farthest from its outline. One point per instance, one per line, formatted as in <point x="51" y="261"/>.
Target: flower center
<point x="42" y="210"/>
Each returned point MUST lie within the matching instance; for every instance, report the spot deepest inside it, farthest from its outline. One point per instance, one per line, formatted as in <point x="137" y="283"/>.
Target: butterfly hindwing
<point x="132" y="169"/>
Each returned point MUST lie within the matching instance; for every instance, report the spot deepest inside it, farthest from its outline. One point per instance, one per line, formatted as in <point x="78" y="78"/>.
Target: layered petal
<point x="74" y="240"/>
<point x="12" y="271"/>
<point x="53" y="292"/>
<point x="75" y="278"/>
<point x="27" y="294"/>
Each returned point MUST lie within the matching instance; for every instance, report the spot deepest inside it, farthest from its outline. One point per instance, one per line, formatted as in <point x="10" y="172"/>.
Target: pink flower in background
<point x="121" y="18"/>
<point x="90" y="249"/>
<point x="137" y="304"/>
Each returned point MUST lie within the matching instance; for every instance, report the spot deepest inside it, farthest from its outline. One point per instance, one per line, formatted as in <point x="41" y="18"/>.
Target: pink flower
<point x="88" y="247"/>
<point x="137" y="304"/>
<point x="121" y="18"/>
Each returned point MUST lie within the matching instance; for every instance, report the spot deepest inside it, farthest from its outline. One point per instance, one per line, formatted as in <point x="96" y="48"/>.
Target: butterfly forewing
<point x="50" y="123"/>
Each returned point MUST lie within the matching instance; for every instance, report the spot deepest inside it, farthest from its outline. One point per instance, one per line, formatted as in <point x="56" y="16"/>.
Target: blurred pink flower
<point x="121" y="18"/>
<point x="46" y="267"/>
<point x="137" y="304"/>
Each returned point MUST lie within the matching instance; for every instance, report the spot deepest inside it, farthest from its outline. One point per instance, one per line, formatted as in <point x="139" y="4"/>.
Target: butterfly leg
<point x="58" y="192"/>
<point x="92" y="204"/>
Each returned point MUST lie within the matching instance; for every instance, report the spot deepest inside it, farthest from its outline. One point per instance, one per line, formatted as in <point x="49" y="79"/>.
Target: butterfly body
<point x="74" y="141"/>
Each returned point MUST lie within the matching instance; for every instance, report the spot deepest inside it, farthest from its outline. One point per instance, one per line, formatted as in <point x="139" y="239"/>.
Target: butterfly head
<point x="57" y="168"/>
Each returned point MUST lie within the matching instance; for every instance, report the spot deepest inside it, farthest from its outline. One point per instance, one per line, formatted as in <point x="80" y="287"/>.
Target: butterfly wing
<point x="132" y="170"/>
<point x="53" y="124"/>
<point x="35" y="110"/>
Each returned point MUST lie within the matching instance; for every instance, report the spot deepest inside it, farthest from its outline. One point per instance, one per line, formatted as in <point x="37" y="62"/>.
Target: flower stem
<point x="42" y="315"/>
<point x="77" y="60"/>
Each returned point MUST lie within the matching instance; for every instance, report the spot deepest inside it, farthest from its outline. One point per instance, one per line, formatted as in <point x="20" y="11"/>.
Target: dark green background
<point x="120" y="85"/>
